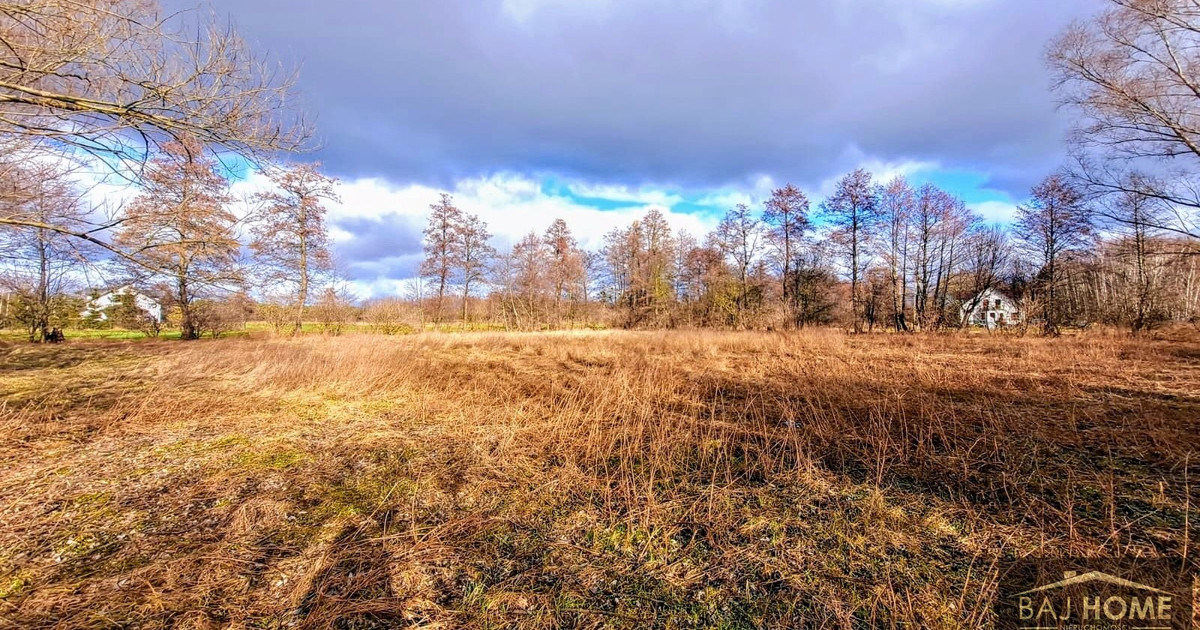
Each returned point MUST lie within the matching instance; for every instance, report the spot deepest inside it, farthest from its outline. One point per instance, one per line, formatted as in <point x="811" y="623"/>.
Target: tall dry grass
<point x="669" y="479"/>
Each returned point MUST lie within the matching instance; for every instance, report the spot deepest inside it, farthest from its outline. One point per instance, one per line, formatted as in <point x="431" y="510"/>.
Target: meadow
<point x="605" y="479"/>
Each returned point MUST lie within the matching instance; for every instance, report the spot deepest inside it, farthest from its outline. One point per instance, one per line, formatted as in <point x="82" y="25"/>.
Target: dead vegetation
<point x="667" y="480"/>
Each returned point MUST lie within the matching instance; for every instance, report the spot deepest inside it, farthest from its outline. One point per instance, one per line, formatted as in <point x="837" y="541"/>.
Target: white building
<point x="95" y="308"/>
<point x="992" y="309"/>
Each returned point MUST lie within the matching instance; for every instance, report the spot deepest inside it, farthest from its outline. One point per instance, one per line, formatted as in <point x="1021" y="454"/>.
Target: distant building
<point x="96" y="308"/>
<point x="992" y="309"/>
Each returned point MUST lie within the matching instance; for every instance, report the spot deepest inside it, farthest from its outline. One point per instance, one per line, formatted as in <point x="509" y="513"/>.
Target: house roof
<point x="998" y="292"/>
<point x="124" y="290"/>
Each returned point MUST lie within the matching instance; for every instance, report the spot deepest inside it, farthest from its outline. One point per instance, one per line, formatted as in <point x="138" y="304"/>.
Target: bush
<point x="216" y="317"/>
<point x="392" y="316"/>
<point x="334" y="309"/>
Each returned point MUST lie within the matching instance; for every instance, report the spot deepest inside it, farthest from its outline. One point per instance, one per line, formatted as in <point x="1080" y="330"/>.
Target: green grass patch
<point x="272" y="459"/>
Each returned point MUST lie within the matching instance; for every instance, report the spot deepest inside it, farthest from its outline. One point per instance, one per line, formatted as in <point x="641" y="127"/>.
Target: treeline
<point x="160" y="102"/>
<point x="183" y="239"/>
<point x="872" y="255"/>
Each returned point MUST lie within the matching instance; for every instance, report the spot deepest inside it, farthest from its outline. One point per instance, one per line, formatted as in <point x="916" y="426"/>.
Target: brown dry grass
<point x="579" y="480"/>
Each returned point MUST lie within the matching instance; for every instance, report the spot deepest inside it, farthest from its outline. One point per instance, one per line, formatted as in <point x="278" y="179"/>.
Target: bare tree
<point x="786" y="217"/>
<point x="524" y="281"/>
<point x="896" y="203"/>
<point x="181" y="226"/>
<point x="939" y="222"/>
<point x="441" y="255"/>
<point x="1054" y="223"/>
<point x="1137" y="217"/>
<point x="593" y="272"/>
<point x="119" y="80"/>
<point x="1131" y="75"/>
<point x="987" y="258"/>
<point x="816" y="284"/>
<point x="334" y="308"/>
<point x="685" y="280"/>
<point x="953" y="231"/>
<point x="216" y="317"/>
<point x="392" y="315"/>
<point x="622" y="247"/>
<point x="17" y="157"/>
<point x="641" y="268"/>
<point x="504" y="283"/>
<point x="739" y="237"/>
<point x="852" y="210"/>
<point x="657" y="264"/>
<point x="565" y="264"/>
<point x="290" y="241"/>
<point x="473" y="254"/>
<point x="38" y="263"/>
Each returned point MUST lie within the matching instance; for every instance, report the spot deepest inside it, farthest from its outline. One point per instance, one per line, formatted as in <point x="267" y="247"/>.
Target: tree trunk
<point x="466" y="293"/>
<point x="441" y="296"/>
<point x="40" y="330"/>
<point x="1050" y="326"/>
<point x="303" y="297"/>
<point x="854" y="302"/>
<point x="187" y="326"/>
<point x="785" y="275"/>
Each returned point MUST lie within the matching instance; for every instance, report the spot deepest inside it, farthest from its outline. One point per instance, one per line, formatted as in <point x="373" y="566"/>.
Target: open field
<point x="607" y="479"/>
<point x="250" y="329"/>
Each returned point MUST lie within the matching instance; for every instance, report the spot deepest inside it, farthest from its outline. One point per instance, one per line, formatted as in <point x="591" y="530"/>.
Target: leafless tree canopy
<point x="39" y="266"/>
<point x="1052" y="225"/>
<point x="119" y="78"/>
<point x="290" y="241"/>
<point x="182" y="227"/>
<point x="785" y="217"/>
<point x="852" y="209"/>
<point x="1132" y="75"/>
<point x="441" y="251"/>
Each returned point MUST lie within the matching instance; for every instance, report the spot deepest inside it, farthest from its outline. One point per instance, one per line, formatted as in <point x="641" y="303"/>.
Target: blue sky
<point x="971" y="187"/>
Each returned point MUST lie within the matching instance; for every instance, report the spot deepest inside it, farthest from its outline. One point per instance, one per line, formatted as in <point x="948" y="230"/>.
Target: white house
<point x="95" y="308"/>
<point x="992" y="309"/>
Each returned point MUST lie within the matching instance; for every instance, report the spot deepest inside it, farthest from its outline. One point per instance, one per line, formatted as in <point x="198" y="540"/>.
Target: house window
<point x="997" y="303"/>
<point x="993" y="316"/>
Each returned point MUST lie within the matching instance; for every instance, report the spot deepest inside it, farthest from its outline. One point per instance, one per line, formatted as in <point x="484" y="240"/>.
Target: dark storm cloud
<point x="378" y="246"/>
<point x="699" y="93"/>
<point x="385" y="268"/>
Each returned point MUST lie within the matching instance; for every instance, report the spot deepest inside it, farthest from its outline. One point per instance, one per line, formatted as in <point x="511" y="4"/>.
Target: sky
<point x="597" y="110"/>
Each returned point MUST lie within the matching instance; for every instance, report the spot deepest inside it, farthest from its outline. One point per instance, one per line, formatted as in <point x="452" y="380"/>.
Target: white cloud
<point x="644" y="195"/>
<point x="512" y="206"/>
<point x="881" y="172"/>
<point x="994" y="211"/>
<point x="752" y="195"/>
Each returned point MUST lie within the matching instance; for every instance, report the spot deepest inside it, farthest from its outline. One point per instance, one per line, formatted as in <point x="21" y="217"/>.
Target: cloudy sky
<point x="594" y="110"/>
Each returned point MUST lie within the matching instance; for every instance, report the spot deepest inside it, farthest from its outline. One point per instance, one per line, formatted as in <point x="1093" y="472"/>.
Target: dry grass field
<point x="607" y="479"/>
